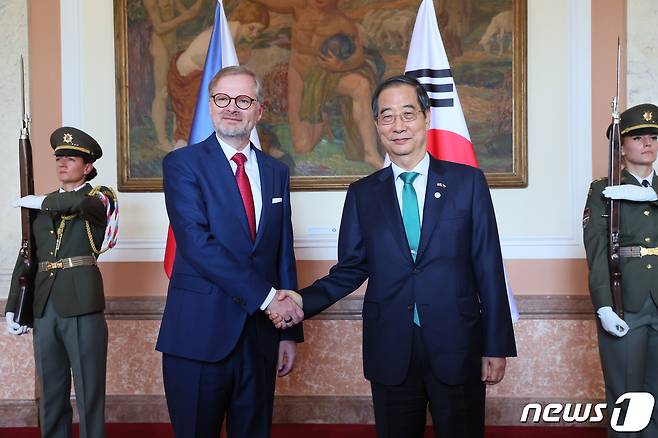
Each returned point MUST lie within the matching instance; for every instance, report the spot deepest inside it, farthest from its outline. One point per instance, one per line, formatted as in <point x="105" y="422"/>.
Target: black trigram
<point x="435" y="88"/>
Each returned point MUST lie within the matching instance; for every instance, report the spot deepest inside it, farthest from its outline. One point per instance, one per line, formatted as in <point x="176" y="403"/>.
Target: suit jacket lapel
<point x="266" y="190"/>
<point x="433" y="208"/>
<point x="388" y="199"/>
<point x="222" y="175"/>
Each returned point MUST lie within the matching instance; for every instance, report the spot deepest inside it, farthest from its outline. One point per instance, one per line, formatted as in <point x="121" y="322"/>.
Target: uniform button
<point x="51" y="253"/>
<point x="647" y="212"/>
<point x="51" y="274"/>
<point x="649" y="266"/>
<point x="647" y="239"/>
<point x="52" y="232"/>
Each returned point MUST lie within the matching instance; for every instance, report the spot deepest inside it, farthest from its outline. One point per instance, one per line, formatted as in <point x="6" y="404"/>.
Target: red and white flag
<point x="448" y="138"/>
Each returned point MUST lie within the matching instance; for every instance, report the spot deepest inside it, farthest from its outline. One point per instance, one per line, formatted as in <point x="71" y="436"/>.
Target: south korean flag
<point x="448" y="137"/>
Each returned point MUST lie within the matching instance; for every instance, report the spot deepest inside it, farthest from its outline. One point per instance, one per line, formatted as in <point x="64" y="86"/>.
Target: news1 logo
<point x="638" y="412"/>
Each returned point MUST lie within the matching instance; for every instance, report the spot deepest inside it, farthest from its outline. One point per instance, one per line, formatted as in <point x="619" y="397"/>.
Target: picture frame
<point x="490" y="75"/>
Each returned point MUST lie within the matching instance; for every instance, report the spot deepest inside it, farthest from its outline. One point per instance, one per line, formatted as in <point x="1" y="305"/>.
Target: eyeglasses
<point x="223" y="100"/>
<point x="405" y="116"/>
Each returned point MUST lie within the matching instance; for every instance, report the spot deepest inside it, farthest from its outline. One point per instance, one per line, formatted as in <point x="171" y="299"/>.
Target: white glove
<point x="14" y="328"/>
<point x="630" y="192"/>
<point x="611" y="322"/>
<point x="29" y="201"/>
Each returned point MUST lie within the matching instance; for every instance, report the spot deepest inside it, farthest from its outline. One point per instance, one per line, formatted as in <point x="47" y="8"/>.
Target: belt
<point x="637" y="251"/>
<point x="69" y="262"/>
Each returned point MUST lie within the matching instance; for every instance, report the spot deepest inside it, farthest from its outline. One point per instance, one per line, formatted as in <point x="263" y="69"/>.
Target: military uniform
<point x="629" y="363"/>
<point x="70" y="332"/>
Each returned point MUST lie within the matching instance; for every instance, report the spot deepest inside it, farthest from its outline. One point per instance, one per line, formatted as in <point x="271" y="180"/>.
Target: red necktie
<point x="245" y="191"/>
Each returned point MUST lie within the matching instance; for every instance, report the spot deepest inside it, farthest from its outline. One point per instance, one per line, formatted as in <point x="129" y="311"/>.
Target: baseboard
<point x="500" y="411"/>
<point x="18" y="413"/>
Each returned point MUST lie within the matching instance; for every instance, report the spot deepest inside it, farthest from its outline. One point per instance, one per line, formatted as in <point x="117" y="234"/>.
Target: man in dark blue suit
<point x="436" y="320"/>
<point x="229" y="207"/>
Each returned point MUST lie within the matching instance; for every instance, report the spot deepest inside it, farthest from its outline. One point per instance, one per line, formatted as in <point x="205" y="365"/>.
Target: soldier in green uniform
<point x="70" y="332"/>
<point x="628" y="347"/>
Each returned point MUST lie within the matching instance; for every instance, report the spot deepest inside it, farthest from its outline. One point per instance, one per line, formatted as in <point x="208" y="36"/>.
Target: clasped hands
<point x="285" y="310"/>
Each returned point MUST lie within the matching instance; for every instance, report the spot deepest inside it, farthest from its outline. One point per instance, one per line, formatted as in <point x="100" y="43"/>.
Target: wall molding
<point x="322" y="409"/>
<point x="563" y="307"/>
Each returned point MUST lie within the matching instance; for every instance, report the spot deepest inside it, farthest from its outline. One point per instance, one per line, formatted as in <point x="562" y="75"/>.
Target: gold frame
<point x="518" y="177"/>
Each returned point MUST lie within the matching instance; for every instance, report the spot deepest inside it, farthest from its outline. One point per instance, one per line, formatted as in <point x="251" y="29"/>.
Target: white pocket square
<point x="276" y="200"/>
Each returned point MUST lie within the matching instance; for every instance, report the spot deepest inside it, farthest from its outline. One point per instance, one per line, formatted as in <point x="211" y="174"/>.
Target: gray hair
<point x="396" y="81"/>
<point x="238" y="70"/>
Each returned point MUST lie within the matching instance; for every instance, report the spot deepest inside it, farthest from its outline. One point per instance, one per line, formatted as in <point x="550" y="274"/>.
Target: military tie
<point x="245" y="191"/>
<point x="411" y="219"/>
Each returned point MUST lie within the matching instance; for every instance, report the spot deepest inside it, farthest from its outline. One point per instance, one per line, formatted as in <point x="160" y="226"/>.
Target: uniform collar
<point x="61" y="190"/>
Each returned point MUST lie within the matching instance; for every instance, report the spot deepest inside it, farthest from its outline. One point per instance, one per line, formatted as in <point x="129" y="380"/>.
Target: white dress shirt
<point x="420" y="183"/>
<point x="251" y="168"/>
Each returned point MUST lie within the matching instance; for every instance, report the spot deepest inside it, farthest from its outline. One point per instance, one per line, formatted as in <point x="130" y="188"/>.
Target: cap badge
<point x="648" y="115"/>
<point x="68" y="138"/>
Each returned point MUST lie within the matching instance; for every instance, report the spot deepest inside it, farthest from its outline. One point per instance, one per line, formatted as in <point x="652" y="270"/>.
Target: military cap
<point x="640" y="119"/>
<point x="74" y="142"/>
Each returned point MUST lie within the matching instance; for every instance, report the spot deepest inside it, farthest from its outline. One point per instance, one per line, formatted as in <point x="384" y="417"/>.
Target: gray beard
<point x="237" y="132"/>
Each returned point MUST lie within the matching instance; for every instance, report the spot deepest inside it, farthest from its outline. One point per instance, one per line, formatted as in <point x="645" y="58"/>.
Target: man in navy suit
<point x="436" y="320"/>
<point x="229" y="207"/>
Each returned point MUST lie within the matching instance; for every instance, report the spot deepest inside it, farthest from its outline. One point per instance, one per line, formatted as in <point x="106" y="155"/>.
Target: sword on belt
<point x="637" y="251"/>
<point x="66" y="263"/>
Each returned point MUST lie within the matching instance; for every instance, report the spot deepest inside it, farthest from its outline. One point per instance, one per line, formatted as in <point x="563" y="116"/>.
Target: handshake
<point x="286" y="309"/>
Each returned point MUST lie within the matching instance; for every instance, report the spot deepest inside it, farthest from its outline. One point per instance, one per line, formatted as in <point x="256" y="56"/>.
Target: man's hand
<point x="29" y="201"/>
<point x="493" y="369"/>
<point x="630" y="192"/>
<point x="611" y="322"/>
<point x="287" y="355"/>
<point x="14" y="328"/>
<point x="285" y="310"/>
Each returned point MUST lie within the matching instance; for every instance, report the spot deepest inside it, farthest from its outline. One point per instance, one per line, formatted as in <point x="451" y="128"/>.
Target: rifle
<point x="614" y="205"/>
<point x="23" y="314"/>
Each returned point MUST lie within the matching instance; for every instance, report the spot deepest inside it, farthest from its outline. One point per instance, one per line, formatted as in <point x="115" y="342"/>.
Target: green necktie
<point x="411" y="219"/>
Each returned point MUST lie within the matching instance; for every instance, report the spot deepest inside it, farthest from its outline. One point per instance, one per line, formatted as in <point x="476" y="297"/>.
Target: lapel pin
<point x="437" y="195"/>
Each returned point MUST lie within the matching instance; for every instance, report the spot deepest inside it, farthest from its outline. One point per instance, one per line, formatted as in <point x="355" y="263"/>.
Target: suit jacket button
<point x="417" y="271"/>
